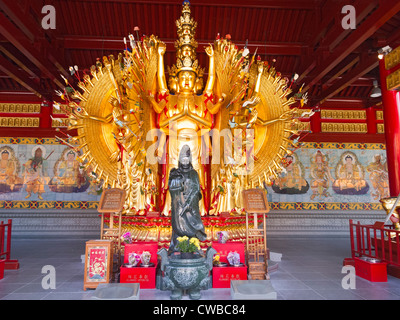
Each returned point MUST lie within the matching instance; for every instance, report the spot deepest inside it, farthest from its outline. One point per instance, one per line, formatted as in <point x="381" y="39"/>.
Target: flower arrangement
<point x="126" y="237"/>
<point x="222" y="236"/>
<point x="145" y="257"/>
<point x="233" y="258"/>
<point x="133" y="259"/>
<point x="188" y="245"/>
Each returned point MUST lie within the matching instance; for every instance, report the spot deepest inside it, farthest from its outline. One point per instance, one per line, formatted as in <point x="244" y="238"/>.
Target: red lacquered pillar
<point x="315" y="123"/>
<point x="391" y="113"/>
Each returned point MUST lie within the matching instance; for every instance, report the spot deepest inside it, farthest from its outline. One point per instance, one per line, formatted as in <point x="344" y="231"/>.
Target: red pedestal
<point x="222" y="276"/>
<point x="2" y="264"/>
<point x="223" y="249"/>
<point x="145" y="276"/>
<point x="374" y="272"/>
<point x="391" y="113"/>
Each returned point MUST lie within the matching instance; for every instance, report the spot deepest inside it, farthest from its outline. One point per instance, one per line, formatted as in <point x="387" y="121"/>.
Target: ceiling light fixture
<point x="376" y="91"/>
<point x="383" y="52"/>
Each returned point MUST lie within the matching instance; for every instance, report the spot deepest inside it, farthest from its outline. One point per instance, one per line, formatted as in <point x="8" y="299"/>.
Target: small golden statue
<point x="131" y="119"/>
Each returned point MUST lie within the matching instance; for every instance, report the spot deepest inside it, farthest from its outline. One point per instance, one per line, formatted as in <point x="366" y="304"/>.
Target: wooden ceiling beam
<point x="386" y="10"/>
<point x="341" y="69"/>
<point x="97" y="43"/>
<point x="24" y="28"/>
<point x="24" y="45"/>
<point x="363" y="9"/>
<point x="21" y="77"/>
<point x="334" y="32"/>
<point x="19" y="63"/>
<point x="13" y="11"/>
<point x="259" y="4"/>
<point x="390" y="39"/>
<point x="325" y="20"/>
<point x="364" y="66"/>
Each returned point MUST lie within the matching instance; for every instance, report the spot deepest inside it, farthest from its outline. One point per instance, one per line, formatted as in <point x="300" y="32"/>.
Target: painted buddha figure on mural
<point x="35" y="173"/>
<point x="350" y="176"/>
<point x="9" y="169"/>
<point x="320" y="176"/>
<point x="291" y="181"/>
<point x="378" y="174"/>
<point x="68" y="176"/>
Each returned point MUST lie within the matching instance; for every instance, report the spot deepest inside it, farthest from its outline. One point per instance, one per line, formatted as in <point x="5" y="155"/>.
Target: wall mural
<point x="44" y="174"/>
<point x="333" y="173"/>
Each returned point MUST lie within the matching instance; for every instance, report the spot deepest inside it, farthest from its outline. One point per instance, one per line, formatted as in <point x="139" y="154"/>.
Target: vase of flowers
<point x="133" y="259"/>
<point x="126" y="237"/>
<point x="145" y="258"/>
<point x="233" y="258"/>
<point x="188" y="247"/>
<point x="222" y="236"/>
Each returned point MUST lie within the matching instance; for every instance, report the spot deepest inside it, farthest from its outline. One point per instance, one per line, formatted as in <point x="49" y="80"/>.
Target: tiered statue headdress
<point x="186" y="44"/>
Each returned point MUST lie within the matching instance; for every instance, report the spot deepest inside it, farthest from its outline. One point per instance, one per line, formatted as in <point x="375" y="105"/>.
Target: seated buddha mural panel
<point x="69" y="175"/>
<point x="10" y="171"/>
<point x="291" y="180"/>
<point x="43" y="172"/>
<point x="318" y="173"/>
<point x="336" y="173"/>
<point x="350" y="176"/>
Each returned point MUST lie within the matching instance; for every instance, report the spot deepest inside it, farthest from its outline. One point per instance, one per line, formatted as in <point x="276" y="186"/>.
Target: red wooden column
<point x="391" y="113"/>
<point x="315" y="122"/>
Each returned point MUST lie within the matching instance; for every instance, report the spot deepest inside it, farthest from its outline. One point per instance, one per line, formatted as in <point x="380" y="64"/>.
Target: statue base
<point x="185" y="275"/>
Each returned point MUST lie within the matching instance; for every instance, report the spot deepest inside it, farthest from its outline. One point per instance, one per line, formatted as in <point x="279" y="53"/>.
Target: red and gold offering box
<point x="372" y="271"/>
<point x="145" y="276"/>
<point x="222" y="276"/>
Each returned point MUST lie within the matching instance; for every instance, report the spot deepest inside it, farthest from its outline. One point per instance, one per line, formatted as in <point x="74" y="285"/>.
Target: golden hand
<point x="209" y="50"/>
<point x="283" y="117"/>
<point x="161" y="48"/>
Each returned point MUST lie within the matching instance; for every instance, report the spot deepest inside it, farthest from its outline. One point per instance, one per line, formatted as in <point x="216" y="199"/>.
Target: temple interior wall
<point x="86" y="225"/>
<point x="325" y="185"/>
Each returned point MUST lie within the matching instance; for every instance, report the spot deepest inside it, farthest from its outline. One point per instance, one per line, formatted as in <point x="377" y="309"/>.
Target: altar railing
<point x="5" y="240"/>
<point x="158" y="229"/>
<point x="375" y="241"/>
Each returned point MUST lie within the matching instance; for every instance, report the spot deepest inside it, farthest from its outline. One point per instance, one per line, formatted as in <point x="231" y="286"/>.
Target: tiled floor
<point x="310" y="269"/>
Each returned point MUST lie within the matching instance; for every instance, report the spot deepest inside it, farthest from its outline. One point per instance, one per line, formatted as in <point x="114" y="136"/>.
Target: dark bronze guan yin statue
<point x="184" y="187"/>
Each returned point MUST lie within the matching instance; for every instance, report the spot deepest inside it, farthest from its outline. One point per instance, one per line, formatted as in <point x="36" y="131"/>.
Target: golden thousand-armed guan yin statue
<point x="131" y="123"/>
